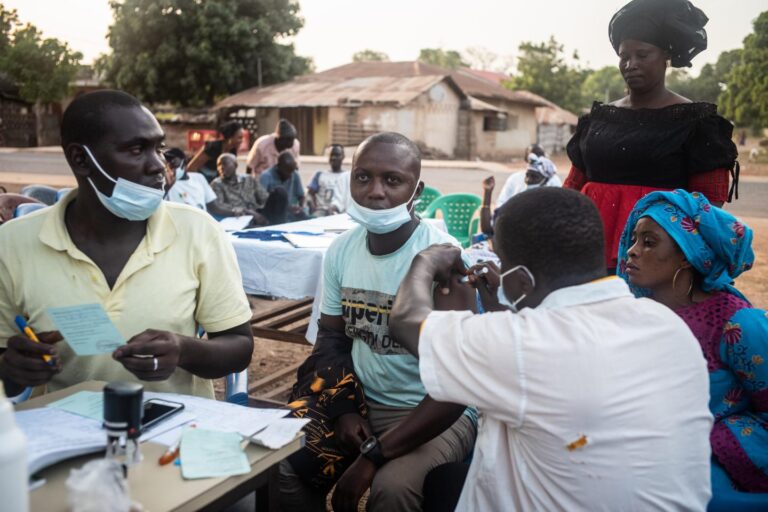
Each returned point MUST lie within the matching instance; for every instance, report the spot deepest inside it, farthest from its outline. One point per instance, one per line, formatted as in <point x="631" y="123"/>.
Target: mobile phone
<point x="157" y="410"/>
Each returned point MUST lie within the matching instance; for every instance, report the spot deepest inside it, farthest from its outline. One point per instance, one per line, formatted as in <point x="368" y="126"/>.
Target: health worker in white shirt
<point x="589" y="398"/>
<point x="189" y="188"/>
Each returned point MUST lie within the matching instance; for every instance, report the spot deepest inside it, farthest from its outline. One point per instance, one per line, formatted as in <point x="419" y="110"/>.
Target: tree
<point x="541" y="69"/>
<point x="191" y="52"/>
<point x="42" y="68"/>
<point x="449" y="59"/>
<point x="370" y="56"/>
<point x="605" y="84"/>
<point x="486" y="60"/>
<point x="711" y="81"/>
<point x="745" y="99"/>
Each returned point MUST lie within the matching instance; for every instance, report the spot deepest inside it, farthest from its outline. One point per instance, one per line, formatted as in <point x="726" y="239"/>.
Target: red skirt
<point x="615" y="203"/>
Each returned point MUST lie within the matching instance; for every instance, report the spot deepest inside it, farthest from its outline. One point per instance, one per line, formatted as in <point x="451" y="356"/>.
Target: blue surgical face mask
<point x="129" y="200"/>
<point x="502" y="297"/>
<point x="179" y="172"/>
<point x="381" y="221"/>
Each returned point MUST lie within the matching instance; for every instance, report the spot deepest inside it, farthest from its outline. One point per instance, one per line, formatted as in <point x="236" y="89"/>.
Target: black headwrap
<point x="675" y="26"/>
<point x="285" y="129"/>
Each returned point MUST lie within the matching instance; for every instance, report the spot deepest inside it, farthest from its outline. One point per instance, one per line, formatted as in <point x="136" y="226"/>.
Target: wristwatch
<point x="371" y="450"/>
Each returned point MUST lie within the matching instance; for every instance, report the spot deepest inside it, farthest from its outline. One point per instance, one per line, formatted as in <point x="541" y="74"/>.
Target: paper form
<point x="87" y="329"/>
<point x="222" y="416"/>
<point x="210" y="454"/>
<point x="236" y="223"/>
<point x="89" y="404"/>
<point x="279" y="433"/>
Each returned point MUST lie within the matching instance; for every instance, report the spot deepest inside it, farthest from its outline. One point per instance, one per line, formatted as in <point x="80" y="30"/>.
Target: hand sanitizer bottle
<point x="14" y="479"/>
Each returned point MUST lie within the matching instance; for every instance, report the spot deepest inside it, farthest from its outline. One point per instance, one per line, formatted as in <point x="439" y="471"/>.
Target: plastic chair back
<point x="8" y="204"/>
<point x="457" y="210"/>
<point x="474" y="224"/>
<point x="62" y="192"/>
<point x="236" y="385"/>
<point x="42" y="193"/>
<point x="26" y="208"/>
<point x="428" y="195"/>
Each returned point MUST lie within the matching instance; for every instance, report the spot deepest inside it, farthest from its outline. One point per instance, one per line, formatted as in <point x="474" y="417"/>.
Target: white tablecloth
<point x="278" y="269"/>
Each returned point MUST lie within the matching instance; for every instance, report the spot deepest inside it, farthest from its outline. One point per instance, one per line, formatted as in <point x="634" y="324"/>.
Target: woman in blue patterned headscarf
<point x="681" y="251"/>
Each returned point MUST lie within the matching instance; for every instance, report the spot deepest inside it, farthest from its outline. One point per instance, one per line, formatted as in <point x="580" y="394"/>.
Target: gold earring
<point x="674" y="282"/>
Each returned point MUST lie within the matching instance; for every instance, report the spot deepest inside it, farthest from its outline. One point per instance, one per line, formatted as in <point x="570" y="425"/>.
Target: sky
<point x="335" y="29"/>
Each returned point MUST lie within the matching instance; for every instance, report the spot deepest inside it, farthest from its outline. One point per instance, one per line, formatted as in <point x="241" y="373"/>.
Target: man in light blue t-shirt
<point x="373" y="424"/>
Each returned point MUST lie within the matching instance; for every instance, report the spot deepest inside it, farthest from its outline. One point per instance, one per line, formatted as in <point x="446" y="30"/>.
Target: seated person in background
<point x="241" y="194"/>
<point x="159" y="269"/>
<point x="264" y="152"/>
<point x="207" y="157"/>
<point x="284" y="175"/>
<point x="189" y="188"/>
<point x="329" y="190"/>
<point x="373" y="424"/>
<point x="589" y="398"/>
<point x="541" y="172"/>
<point x="683" y="252"/>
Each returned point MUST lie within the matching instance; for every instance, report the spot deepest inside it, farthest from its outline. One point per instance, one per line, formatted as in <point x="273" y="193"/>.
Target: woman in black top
<point x="652" y="139"/>
<point x="205" y="159"/>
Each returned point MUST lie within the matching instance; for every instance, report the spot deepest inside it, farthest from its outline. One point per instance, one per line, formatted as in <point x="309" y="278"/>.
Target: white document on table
<point x="279" y="433"/>
<point x="216" y="415"/>
<point x="235" y="223"/>
<point x="54" y="435"/>
<point x="310" y="241"/>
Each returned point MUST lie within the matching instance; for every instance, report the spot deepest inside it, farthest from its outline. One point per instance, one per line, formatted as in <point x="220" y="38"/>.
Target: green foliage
<point x="745" y="99"/>
<point x="542" y="69"/>
<point x="449" y="59"/>
<point x="191" y="52"/>
<point x="370" y="56"/>
<point x="711" y="80"/>
<point x="41" y="67"/>
<point x="604" y="84"/>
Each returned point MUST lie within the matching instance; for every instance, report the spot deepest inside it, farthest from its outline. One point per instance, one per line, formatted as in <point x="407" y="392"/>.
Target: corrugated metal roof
<point x="476" y="104"/>
<point x="396" y="83"/>
<point x="551" y="113"/>
<point x="319" y="91"/>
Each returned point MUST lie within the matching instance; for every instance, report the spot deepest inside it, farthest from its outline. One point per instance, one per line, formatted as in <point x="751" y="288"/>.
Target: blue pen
<point x="27" y="330"/>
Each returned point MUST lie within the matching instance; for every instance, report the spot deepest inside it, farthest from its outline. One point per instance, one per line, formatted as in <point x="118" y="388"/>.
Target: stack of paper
<point x="54" y="435"/>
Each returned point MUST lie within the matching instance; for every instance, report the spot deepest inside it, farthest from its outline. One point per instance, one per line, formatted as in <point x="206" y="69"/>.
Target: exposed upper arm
<point x="199" y="160"/>
<point x="243" y="329"/>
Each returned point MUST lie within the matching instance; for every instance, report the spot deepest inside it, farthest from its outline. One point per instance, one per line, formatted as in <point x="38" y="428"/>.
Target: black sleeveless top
<point x="651" y="147"/>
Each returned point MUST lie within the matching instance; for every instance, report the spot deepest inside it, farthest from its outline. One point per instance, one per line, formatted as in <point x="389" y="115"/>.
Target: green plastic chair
<point x="457" y="212"/>
<point x="428" y="195"/>
<point x="474" y="224"/>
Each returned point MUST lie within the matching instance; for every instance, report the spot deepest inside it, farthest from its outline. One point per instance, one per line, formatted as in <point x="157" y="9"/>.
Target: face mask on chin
<point x="502" y="297"/>
<point x="129" y="200"/>
<point x="381" y="221"/>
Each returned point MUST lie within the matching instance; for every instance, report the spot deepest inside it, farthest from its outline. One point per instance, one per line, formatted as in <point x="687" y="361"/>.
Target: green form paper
<point x="84" y="403"/>
<point x="211" y="454"/>
<point x="87" y="329"/>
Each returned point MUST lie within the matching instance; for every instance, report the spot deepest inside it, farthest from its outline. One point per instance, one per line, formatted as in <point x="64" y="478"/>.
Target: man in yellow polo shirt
<point x="158" y="269"/>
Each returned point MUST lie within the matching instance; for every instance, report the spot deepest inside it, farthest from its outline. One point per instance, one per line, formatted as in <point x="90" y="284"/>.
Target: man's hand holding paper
<point x="151" y="355"/>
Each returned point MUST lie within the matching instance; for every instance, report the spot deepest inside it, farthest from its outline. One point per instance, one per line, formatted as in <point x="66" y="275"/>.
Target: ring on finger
<point x="154" y="364"/>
